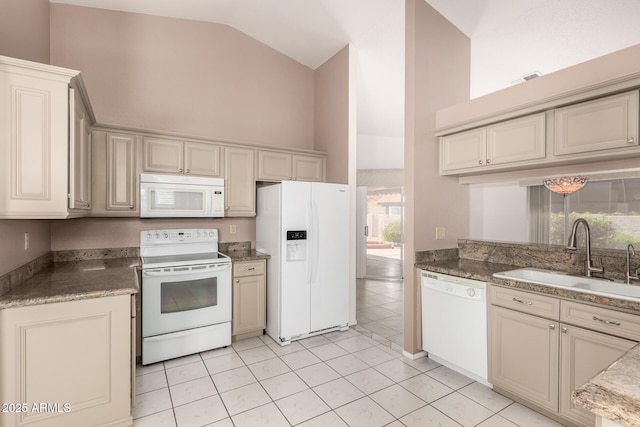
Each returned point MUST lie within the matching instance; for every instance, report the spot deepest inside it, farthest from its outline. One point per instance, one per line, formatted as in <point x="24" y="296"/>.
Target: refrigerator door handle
<point x="315" y="241"/>
<point x="310" y="239"/>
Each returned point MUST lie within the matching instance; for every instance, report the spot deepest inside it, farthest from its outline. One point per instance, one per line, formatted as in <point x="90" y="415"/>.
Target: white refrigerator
<point x="304" y="226"/>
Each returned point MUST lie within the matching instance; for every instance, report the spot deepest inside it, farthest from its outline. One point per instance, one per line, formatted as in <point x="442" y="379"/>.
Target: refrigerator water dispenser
<point x="296" y="245"/>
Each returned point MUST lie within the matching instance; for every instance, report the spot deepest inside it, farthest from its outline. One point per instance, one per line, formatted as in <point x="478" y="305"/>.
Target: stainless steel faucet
<point x="588" y="264"/>
<point x="628" y="276"/>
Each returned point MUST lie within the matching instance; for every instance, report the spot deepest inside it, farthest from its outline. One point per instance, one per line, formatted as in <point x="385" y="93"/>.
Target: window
<point x="611" y="207"/>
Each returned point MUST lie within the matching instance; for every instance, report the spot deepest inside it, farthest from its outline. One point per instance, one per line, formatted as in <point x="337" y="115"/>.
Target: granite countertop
<point x="614" y="393"/>
<point x="483" y="271"/>
<point x="76" y="280"/>
<point x="246" y="255"/>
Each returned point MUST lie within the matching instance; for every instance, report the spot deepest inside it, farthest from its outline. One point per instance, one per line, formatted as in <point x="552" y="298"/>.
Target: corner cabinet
<point x="249" y="299"/>
<point x="239" y="182"/>
<point x="68" y="363"/>
<point x="280" y="166"/>
<point x="177" y="157"/>
<point x="116" y="168"/>
<point x="45" y="144"/>
<point x="516" y="141"/>
<point x="542" y="348"/>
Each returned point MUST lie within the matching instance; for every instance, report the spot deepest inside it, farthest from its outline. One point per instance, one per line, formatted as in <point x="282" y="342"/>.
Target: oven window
<point x="188" y="295"/>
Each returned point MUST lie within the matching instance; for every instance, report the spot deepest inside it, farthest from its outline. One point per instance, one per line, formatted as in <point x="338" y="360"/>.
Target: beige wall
<point x="332" y="115"/>
<point x="184" y="76"/>
<point x="96" y="233"/>
<point x="437" y="75"/>
<point x="24" y="29"/>
<point x="12" y="252"/>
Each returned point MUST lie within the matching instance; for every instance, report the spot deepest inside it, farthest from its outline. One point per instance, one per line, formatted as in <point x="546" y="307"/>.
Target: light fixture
<point x="565" y="185"/>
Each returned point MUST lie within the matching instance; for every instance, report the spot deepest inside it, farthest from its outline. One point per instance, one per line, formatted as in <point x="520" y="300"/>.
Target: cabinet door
<point x="584" y="354"/>
<point x="239" y="182"/>
<point x="163" y="155"/>
<point x="122" y="182"/>
<point x="463" y="150"/>
<point x="202" y="159"/>
<point x="249" y="303"/>
<point x="523" y="356"/>
<point x="70" y="352"/>
<point x="34" y="144"/>
<point x="602" y="124"/>
<point x="79" y="154"/>
<point x="308" y="168"/>
<point x="273" y="166"/>
<point x="516" y="140"/>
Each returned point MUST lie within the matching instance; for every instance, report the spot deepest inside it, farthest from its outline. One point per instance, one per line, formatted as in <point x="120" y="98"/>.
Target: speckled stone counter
<point x="75" y="280"/>
<point x="241" y="251"/>
<point x="615" y="392"/>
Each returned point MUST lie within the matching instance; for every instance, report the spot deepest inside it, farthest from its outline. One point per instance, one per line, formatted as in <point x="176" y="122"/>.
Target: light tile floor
<point x="336" y="379"/>
<point x="379" y="310"/>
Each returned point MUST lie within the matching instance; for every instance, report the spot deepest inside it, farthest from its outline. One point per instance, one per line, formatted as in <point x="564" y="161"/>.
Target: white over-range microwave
<point x="181" y="196"/>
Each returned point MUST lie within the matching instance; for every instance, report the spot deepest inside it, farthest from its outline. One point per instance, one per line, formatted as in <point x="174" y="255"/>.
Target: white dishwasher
<point x="454" y="323"/>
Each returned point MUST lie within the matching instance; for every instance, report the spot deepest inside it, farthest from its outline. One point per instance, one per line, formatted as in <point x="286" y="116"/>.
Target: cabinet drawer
<point x="525" y="302"/>
<point x="248" y="268"/>
<point x="605" y="320"/>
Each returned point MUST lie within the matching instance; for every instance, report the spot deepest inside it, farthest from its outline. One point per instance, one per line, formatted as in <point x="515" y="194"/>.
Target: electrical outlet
<point x="26" y="241"/>
<point x="440" y="233"/>
<point x="232" y="229"/>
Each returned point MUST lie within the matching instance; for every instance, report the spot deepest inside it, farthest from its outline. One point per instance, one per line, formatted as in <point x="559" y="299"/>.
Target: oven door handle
<point x="152" y="273"/>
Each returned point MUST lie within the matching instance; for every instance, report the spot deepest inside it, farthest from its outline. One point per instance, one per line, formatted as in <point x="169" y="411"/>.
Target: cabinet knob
<point x="237" y="280"/>
<point x="552" y="327"/>
<point x="630" y="141"/>
<point x="564" y="329"/>
<point x="132" y="207"/>
<point x="479" y="162"/>
<point x="188" y="171"/>
<point x="181" y="170"/>
<point x="226" y="208"/>
<point x="488" y="161"/>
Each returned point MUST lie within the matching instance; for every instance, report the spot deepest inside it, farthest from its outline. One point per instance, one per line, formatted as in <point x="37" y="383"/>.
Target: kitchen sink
<point x="559" y="279"/>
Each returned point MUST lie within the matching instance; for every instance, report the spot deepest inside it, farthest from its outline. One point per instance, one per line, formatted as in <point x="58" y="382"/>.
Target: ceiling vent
<point x="527" y="77"/>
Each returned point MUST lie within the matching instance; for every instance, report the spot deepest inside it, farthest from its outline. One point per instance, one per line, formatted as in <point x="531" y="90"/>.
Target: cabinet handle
<point x="519" y="301"/>
<point x="181" y="170"/>
<point x="630" y="141"/>
<point x="552" y="327"/>
<point x="188" y="171"/>
<point x="479" y="162"/>
<point x="132" y="207"/>
<point x="237" y="280"/>
<point x="251" y="269"/>
<point x="564" y="330"/>
<point x="488" y="161"/>
<point x="226" y="208"/>
<point x="606" y="322"/>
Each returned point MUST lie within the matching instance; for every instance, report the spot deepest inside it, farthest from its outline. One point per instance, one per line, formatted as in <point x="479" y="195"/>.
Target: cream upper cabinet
<point x="188" y="157"/>
<point x="279" y="166"/>
<point x="601" y="124"/>
<point x="515" y="141"/>
<point x="40" y="115"/>
<point x="116" y="167"/>
<point x="249" y="299"/>
<point x="308" y="168"/>
<point x="239" y="182"/>
<point x="75" y="353"/>
<point x="79" y="153"/>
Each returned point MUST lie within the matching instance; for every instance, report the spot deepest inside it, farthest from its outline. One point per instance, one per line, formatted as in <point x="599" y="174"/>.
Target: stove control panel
<point x="178" y="235"/>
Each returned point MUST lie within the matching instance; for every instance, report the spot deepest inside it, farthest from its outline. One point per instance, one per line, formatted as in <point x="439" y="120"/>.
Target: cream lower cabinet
<point x="239" y="182"/>
<point x="249" y="299"/>
<point x="115" y="168"/>
<point x="542" y="348"/>
<point x="279" y="166"/>
<point x="67" y="364"/>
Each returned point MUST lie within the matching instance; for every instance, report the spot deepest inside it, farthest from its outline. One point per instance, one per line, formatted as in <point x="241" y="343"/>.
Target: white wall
<point x="498" y="212"/>
<point x="380" y="152"/>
